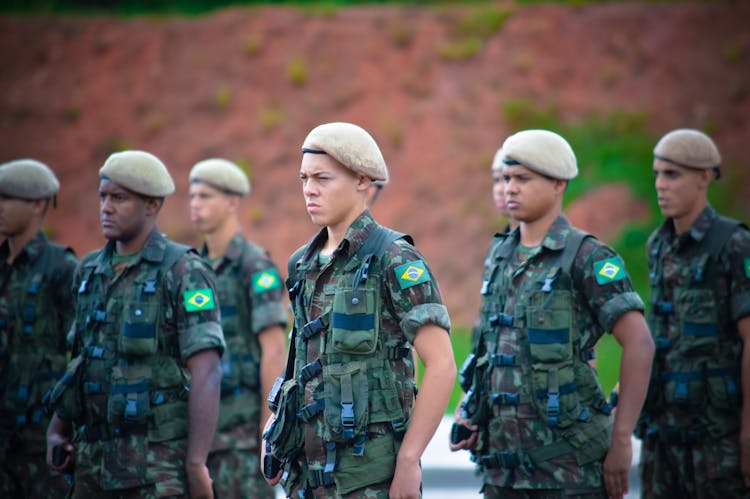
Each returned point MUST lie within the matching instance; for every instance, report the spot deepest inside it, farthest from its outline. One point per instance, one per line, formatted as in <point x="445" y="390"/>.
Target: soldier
<point x="35" y="313"/>
<point x="347" y="424"/>
<point x="498" y="192"/>
<point x="549" y="294"/>
<point x="142" y="390"/>
<point x="696" y="421"/>
<point x="253" y="319"/>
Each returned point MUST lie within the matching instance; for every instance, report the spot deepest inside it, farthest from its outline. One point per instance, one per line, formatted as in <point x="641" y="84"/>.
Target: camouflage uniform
<point x="374" y="378"/>
<point x="35" y="314"/>
<point x="250" y="294"/>
<point x="691" y="418"/>
<point x="544" y="423"/>
<point x="126" y="388"/>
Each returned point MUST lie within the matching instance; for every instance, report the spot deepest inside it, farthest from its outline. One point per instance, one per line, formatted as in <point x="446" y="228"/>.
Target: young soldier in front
<point x="347" y="423"/>
<point x="696" y="420"/>
<point x="253" y="319"/>
<point x="35" y="314"/>
<point x="544" y="427"/>
<point x="142" y="389"/>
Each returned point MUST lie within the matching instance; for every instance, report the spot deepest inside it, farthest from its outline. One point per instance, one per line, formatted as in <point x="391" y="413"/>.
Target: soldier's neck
<point x="17" y="242"/>
<point x="217" y="241"/>
<point x="533" y="232"/>
<point x="683" y="223"/>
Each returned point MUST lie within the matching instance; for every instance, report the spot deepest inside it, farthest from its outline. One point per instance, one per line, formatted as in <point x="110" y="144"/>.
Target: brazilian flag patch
<point x="412" y="273"/>
<point x="266" y="281"/>
<point x="747" y="268"/>
<point x="609" y="270"/>
<point x="199" y="299"/>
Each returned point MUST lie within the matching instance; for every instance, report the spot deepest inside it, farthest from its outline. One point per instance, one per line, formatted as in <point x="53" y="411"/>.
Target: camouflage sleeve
<point x="266" y="293"/>
<point x="413" y="291"/>
<point x="739" y="265"/>
<point x="605" y="285"/>
<point x="65" y="299"/>
<point x="193" y="306"/>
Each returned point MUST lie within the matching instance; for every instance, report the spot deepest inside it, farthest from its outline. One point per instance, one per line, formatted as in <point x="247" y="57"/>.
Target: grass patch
<point x="460" y="49"/>
<point x="296" y="71"/>
<point x="222" y="98"/>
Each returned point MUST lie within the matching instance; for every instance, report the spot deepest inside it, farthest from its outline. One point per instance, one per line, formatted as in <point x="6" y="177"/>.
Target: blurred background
<point x="438" y="84"/>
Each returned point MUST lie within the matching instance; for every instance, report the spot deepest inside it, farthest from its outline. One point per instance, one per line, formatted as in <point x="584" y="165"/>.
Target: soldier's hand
<point x="467" y="443"/>
<point x="199" y="481"/>
<point x="406" y="480"/>
<point x="617" y="467"/>
<point x="60" y="452"/>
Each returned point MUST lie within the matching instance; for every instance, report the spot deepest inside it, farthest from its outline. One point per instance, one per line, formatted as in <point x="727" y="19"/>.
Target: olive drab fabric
<point x="341" y="415"/>
<point x="250" y="292"/>
<point x="700" y="288"/>
<point x="544" y="422"/>
<point x="35" y="313"/>
<point x="126" y="388"/>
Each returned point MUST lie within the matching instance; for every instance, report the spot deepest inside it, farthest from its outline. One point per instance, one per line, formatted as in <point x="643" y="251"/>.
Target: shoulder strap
<point x="572" y="246"/>
<point x="712" y="244"/>
<point x="173" y="252"/>
<point x="379" y="240"/>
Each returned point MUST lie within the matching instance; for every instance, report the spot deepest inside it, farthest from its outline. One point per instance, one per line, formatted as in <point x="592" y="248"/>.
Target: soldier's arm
<point x="272" y="363"/>
<point x="632" y="333"/>
<point x="203" y="411"/>
<point x="58" y="433"/>
<point x="743" y="326"/>
<point x="433" y="346"/>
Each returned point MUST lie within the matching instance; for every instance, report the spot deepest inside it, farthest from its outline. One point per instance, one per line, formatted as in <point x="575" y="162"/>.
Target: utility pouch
<point x="354" y="325"/>
<point x="138" y="333"/>
<point x="696" y="310"/>
<point x="284" y="435"/>
<point x="724" y="391"/>
<point x="376" y="465"/>
<point x="128" y="401"/>
<point x="346" y="401"/>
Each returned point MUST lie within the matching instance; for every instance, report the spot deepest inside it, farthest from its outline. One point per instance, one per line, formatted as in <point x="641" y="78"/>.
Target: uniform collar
<point x="554" y="239"/>
<point x="355" y="237"/>
<point x="153" y="250"/>
<point x="30" y="252"/>
<point x="698" y="229"/>
<point x="233" y="251"/>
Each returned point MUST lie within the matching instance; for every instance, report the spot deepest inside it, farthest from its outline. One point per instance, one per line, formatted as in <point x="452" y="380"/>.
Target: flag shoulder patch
<point x="412" y="273"/>
<point x="266" y="280"/>
<point x="609" y="270"/>
<point x="199" y="299"/>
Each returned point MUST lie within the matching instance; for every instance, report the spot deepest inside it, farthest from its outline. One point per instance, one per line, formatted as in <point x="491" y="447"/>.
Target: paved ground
<point x="449" y="475"/>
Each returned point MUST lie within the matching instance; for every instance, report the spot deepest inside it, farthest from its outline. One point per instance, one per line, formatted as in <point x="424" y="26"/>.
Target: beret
<point x="221" y="174"/>
<point x="140" y="172"/>
<point x="351" y="146"/>
<point x="27" y="179"/>
<point x="542" y="151"/>
<point x="497" y="161"/>
<point x="687" y="147"/>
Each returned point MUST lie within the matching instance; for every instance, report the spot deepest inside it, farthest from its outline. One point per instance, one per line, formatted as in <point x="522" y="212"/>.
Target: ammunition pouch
<point x="284" y="436"/>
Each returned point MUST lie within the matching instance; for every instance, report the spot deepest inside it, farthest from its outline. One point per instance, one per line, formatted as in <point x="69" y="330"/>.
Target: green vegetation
<point x="222" y="98"/>
<point x="271" y="117"/>
<point x="296" y="71"/>
<point x="461" y="49"/>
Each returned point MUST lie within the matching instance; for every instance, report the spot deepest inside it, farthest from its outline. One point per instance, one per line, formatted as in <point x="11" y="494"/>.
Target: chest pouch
<point x="346" y="401"/>
<point x="697" y="315"/>
<point x="354" y="323"/>
<point x="138" y="335"/>
<point x="550" y="339"/>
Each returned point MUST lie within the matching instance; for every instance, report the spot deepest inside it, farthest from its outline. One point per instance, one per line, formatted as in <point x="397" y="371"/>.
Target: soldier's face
<point x="15" y="215"/>
<point x="210" y="208"/>
<point x="679" y="190"/>
<point x="333" y="194"/>
<point x="498" y="192"/>
<point x="530" y="195"/>
<point x="122" y="213"/>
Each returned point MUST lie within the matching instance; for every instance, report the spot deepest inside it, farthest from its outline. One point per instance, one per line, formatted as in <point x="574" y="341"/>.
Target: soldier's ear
<point x="153" y="205"/>
<point x="364" y="183"/>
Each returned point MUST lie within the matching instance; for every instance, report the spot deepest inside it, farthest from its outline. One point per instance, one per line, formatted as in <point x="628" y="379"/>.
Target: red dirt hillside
<point x="248" y="84"/>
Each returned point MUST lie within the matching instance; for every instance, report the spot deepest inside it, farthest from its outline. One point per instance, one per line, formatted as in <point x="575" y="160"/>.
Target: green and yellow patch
<point x="747" y="267"/>
<point x="199" y="299"/>
<point x="412" y="273"/>
<point x="266" y="280"/>
<point x="609" y="270"/>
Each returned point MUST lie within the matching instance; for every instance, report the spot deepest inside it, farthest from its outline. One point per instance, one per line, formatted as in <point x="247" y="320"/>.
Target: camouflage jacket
<point x="133" y="333"/>
<point x="696" y="300"/>
<point x="250" y="294"/>
<point x="543" y="418"/>
<point x="35" y="314"/>
<point x="403" y="296"/>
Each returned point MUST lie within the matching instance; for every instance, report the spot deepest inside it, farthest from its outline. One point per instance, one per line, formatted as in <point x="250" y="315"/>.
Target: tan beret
<point x="221" y="174"/>
<point x="542" y="151"/>
<point x="351" y="146"/>
<point x="497" y="161"/>
<point x="687" y="147"/>
<point x="27" y="179"/>
<point x="140" y="172"/>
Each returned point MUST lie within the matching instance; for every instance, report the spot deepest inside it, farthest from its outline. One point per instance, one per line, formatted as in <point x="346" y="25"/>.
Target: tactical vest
<point x="360" y="387"/>
<point x="240" y="362"/>
<point x="125" y="376"/>
<point x="703" y="352"/>
<point x="554" y="379"/>
<point x="36" y="336"/>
